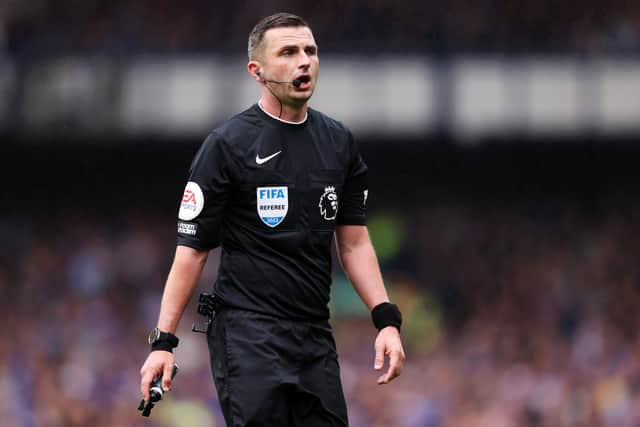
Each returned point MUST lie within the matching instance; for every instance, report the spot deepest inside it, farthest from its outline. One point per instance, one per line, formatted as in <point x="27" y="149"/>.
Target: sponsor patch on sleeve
<point x="192" y="202"/>
<point x="186" y="228"/>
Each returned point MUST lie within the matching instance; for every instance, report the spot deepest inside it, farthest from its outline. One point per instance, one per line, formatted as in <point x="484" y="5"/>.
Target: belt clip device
<point x="206" y="308"/>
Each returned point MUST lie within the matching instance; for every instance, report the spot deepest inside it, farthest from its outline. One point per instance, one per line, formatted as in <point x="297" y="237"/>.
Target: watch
<point x="157" y="336"/>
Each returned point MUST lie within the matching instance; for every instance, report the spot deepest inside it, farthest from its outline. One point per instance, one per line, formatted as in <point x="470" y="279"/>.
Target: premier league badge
<point x="273" y="204"/>
<point x="329" y="203"/>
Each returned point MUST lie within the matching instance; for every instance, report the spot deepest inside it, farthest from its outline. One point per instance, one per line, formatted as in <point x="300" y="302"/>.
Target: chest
<point x="292" y="183"/>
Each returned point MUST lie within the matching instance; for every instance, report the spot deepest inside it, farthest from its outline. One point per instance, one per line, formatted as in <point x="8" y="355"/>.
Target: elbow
<point x="188" y="254"/>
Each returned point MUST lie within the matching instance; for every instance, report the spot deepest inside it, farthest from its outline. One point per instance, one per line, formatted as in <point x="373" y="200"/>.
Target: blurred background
<point x="502" y="139"/>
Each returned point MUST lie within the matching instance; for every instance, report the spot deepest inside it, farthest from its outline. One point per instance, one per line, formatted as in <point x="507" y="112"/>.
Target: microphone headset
<point x="295" y="83"/>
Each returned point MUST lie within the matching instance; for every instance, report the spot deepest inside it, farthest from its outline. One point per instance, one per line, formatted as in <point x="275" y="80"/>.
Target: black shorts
<point x="275" y="372"/>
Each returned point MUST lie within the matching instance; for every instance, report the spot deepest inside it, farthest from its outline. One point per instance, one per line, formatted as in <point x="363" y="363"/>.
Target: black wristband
<point x="162" y="340"/>
<point x="386" y="314"/>
<point x="162" y="345"/>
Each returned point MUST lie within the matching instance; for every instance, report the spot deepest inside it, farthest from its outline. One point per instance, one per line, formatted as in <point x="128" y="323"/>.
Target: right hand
<point x="158" y="362"/>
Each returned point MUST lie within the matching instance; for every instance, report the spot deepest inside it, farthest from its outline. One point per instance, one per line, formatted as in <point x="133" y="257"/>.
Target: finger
<point x="379" y="358"/>
<point x="166" y="376"/>
<point x="393" y="370"/>
<point x="145" y="383"/>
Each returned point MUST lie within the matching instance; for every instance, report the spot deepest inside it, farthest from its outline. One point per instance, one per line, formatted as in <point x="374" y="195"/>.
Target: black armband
<point x="386" y="314"/>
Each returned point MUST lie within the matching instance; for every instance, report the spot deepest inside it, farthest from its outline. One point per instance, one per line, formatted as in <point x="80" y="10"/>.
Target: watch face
<point x="154" y="335"/>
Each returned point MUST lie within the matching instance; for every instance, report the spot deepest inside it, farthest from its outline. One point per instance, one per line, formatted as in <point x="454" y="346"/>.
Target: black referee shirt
<point x="270" y="193"/>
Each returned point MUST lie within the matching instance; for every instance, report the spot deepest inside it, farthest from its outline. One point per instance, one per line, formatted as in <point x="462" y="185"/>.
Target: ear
<point x="254" y="68"/>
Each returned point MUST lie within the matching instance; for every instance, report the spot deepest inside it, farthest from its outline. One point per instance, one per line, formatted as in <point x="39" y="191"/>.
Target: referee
<point x="272" y="186"/>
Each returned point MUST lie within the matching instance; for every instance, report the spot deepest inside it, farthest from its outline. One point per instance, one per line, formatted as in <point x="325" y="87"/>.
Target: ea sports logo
<point x="329" y="203"/>
<point x="192" y="202"/>
<point x="189" y="197"/>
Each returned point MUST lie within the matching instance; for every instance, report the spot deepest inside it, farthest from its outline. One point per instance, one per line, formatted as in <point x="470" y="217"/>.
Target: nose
<point x="305" y="60"/>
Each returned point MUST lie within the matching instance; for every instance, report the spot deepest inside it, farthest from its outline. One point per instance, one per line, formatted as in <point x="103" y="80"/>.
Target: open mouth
<point x="305" y="80"/>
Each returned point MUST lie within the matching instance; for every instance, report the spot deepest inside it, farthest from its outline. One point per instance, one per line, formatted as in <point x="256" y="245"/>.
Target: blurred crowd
<point x="38" y="28"/>
<point x="514" y="316"/>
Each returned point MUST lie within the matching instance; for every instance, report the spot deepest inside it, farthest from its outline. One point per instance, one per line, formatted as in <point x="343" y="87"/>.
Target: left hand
<point x="388" y="343"/>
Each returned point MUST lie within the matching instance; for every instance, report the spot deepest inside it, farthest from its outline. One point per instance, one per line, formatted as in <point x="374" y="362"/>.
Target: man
<point x="272" y="186"/>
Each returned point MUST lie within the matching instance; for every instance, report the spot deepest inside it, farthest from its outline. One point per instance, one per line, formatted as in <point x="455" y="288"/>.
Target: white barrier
<point x="469" y="97"/>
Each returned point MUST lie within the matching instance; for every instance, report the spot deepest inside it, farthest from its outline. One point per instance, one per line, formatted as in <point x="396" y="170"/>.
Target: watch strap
<point x="163" y="340"/>
<point x="162" y="345"/>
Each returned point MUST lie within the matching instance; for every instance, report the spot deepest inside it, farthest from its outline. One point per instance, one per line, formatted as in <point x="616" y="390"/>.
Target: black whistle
<point x="155" y="393"/>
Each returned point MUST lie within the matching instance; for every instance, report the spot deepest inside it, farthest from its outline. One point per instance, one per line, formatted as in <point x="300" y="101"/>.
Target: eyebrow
<point x="296" y="47"/>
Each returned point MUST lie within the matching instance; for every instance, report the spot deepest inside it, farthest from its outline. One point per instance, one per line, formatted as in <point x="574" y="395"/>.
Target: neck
<point x="290" y="113"/>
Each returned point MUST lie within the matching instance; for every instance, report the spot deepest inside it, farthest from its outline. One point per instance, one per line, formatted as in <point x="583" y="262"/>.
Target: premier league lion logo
<point x="329" y="203"/>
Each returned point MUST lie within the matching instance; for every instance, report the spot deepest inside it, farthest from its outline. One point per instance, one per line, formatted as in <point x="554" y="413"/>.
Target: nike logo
<point x="266" y="159"/>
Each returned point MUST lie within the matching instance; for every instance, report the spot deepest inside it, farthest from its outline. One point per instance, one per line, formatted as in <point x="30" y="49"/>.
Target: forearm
<point x="182" y="280"/>
<point x="360" y="263"/>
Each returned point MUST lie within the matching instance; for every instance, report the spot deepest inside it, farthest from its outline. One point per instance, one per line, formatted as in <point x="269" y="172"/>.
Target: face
<point x="290" y="53"/>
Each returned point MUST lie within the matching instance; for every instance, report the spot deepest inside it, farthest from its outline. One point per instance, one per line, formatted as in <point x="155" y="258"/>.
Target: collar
<point x="306" y="114"/>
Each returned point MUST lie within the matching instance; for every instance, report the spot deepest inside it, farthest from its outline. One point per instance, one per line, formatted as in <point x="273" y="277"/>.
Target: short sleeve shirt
<point x="271" y="193"/>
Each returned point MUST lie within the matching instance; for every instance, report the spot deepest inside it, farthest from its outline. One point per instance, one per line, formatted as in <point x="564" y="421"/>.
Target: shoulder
<point x="338" y="134"/>
<point x="237" y="130"/>
<point x="332" y="125"/>
<point x="230" y="138"/>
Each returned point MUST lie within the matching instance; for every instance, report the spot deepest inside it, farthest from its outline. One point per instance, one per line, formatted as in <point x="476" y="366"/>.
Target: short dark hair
<point x="273" y="21"/>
